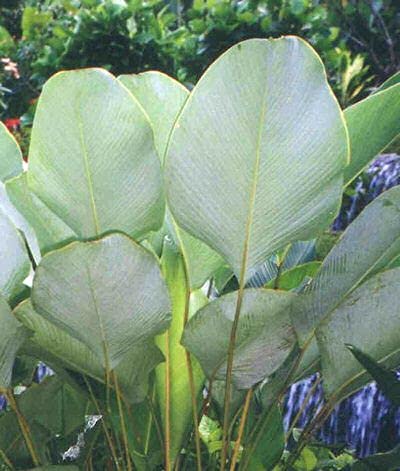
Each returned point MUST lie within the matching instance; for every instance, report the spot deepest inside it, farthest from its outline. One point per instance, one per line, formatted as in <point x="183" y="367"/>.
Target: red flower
<point x="12" y="124"/>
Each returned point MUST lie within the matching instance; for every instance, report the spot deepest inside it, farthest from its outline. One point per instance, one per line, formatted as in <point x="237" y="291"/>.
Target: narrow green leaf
<point x="243" y="173"/>
<point x="10" y="155"/>
<point x="375" y="120"/>
<point x="387" y="380"/>
<point x="368" y="318"/>
<point x="12" y="336"/>
<point x="264" y="338"/>
<point x="92" y="158"/>
<point x="367" y="246"/>
<point x="393" y="80"/>
<point x="119" y="300"/>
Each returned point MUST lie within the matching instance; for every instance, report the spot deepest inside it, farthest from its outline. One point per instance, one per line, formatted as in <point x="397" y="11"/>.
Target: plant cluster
<point x="162" y="255"/>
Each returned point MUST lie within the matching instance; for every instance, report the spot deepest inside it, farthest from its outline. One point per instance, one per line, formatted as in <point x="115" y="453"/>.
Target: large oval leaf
<point x="12" y="336"/>
<point x="92" y="158"/>
<point x="264" y="337"/>
<point x="367" y="246"/>
<point x="256" y="156"/>
<point x="10" y="155"/>
<point x="369" y="318"/>
<point x="57" y="348"/>
<point x="108" y="294"/>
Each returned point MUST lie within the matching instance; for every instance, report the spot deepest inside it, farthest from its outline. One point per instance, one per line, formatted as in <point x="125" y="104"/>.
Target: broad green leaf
<point x="14" y="260"/>
<point x="369" y="318"/>
<point x="119" y="299"/>
<point x="367" y="246"/>
<point x="389" y="461"/>
<point x="162" y="98"/>
<point x="57" y="348"/>
<point x="264" y="337"/>
<point x="243" y="173"/>
<point x="372" y="123"/>
<point x="180" y="404"/>
<point x="10" y="155"/>
<point x="300" y="252"/>
<point x="50" y="230"/>
<point x="92" y="158"/>
<point x="294" y="277"/>
<point x="387" y="380"/>
<point x="12" y="336"/>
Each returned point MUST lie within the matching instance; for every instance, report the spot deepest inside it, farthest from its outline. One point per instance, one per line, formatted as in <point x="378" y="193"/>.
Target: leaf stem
<point x="123" y="424"/>
<point x="167" y="404"/>
<point x="5" y="460"/>
<point x="24" y="426"/>
<point x="243" y="420"/>
<point x="106" y="432"/>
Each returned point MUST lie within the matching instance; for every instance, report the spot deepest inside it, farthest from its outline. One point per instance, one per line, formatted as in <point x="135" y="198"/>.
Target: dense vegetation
<point x="179" y="284"/>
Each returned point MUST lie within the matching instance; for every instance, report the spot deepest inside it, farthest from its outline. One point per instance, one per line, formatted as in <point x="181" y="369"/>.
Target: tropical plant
<point x="176" y="294"/>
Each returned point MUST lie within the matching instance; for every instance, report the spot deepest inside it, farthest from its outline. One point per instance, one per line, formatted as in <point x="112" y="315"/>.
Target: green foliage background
<point x="357" y="40"/>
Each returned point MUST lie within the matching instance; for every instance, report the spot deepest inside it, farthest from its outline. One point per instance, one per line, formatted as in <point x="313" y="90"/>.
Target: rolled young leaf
<point x="10" y="155"/>
<point x="109" y="294"/>
<point x="12" y="336"/>
<point x="264" y="339"/>
<point x="243" y="172"/>
<point x="92" y="158"/>
<point x="373" y="123"/>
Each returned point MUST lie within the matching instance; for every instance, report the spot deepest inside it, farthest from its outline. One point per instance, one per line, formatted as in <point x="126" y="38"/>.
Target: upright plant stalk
<point x="106" y="432"/>
<point x="229" y="368"/>
<point x="243" y="420"/>
<point x="167" y="437"/>
<point x="122" y="419"/>
<point x="23" y="425"/>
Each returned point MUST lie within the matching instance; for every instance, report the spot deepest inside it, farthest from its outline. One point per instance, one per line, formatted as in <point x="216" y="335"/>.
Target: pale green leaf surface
<point x="132" y="372"/>
<point x="162" y="98"/>
<point x="369" y="319"/>
<point x="264" y="337"/>
<point x="393" y="80"/>
<point x="12" y="336"/>
<point x="10" y="155"/>
<point x="92" y="157"/>
<point x="119" y="299"/>
<point x="367" y="246"/>
<point x="14" y="260"/>
<point x="372" y="123"/>
<point x="50" y="230"/>
<point x="243" y="173"/>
